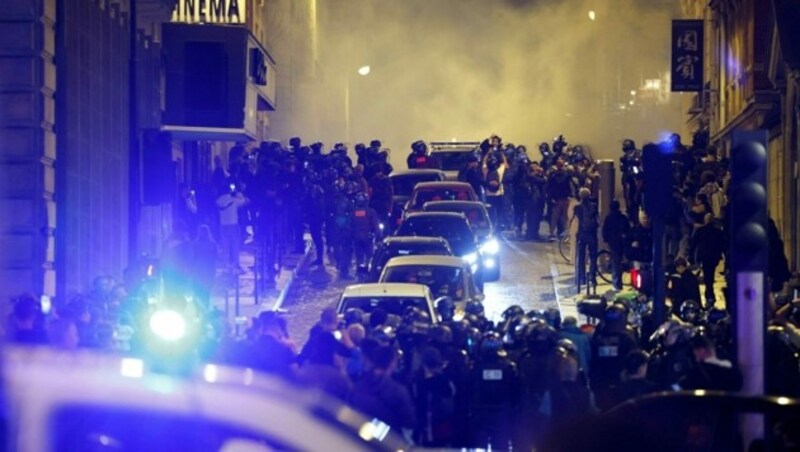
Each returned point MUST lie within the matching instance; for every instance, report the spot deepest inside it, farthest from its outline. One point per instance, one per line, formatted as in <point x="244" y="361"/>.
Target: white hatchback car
<point x="394" y="298"/>
<point x="445" y="276"/>
<point x="59" y="401"/>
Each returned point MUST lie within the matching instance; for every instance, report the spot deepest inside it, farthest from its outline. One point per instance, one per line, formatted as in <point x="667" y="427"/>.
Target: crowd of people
<point x="465" y="382"/>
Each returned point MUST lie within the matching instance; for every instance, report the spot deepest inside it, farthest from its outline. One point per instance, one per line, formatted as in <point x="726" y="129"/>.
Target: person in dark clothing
<point x="419" y="158"/>
<point x="685" y="285"/>
<point x="27" y="322"/>
<point x="472" y="174"/>
<point x="778" y="266"/>
<point x="536" y="201"/>
<point x="273" y="350"/>
<point x="204" y="265"/>
<point x="381" y="192"/>
<point x="316" y="214"/>
<point x="324" y="368"/>
<point x="520" y="192"/>
<point x="610" y="345"/>
<point x="293" y="186"/>
<point x="587" y="214"/>
<point x="634" y="378"/>
<point x="434" y="398"/>
<point x="710" y="244"/>
<point x="559" y="190"/>
<point x="378" y="395"/>
<point x="615" y="232"/>
<point x="709" y="371"/>
<point x="569" y="398"/>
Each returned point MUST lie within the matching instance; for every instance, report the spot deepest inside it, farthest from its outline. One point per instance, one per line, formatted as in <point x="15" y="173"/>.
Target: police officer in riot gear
<point x="610" y="345"/>
<point x="343" y="226"/>
<point x="493" y="394"/>
<point x="419" y="156"/>
<point x="365" y="227"/>
<point x="631" y="166"/>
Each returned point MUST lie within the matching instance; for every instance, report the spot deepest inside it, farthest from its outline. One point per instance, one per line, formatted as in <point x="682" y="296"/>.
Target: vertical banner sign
<point x="687" y="55"/>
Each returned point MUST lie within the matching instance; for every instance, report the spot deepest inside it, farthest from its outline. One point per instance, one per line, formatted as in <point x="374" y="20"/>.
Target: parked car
<point x="450" y="226"/>
<point x="445" y="276"/>
<point x="481" y="223"/>
<point x="403" y="246"/>
<point x="83" y="401"/>
<point x="394" y="298"/>
<point x="439" y="191"/>
<point x="403" y="183"/>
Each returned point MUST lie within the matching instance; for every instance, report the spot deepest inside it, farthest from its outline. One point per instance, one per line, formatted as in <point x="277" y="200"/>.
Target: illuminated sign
<point x="210" y="11"/>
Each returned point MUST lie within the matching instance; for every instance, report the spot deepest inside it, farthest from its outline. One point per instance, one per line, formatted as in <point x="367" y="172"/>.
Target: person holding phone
<point x="228" y="203"/>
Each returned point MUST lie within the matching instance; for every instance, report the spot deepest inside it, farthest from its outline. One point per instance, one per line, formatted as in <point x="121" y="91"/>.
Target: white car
<point x="60" y="401"/>
<point x="394" y="298"/>
<point x="445" y="276"/>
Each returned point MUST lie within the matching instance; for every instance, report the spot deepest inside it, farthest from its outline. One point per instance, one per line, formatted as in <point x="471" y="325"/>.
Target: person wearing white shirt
<point x="228" y="204"/>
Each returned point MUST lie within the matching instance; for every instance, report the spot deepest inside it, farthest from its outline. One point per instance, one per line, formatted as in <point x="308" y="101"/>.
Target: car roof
<point x="456" y="204"/>
<point x="443" y="184"/>
<point x="419" y="171"/>
<point x="425" y="259"/>
<point x="386" y="289"/>
<point x="413" y="239"/>
<point x="83" y="378"/>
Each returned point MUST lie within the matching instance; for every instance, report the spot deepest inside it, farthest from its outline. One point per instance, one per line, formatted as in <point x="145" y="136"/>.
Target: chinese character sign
<point x="687" y="55"/>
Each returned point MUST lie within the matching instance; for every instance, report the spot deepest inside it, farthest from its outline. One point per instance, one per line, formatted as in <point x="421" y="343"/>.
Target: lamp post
<point x="362" y="71"/>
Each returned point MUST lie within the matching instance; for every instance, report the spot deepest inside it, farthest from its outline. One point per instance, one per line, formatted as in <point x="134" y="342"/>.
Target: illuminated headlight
<point x="168" y="325"/>
<point x="471" y="258"/>
<point x="490" y="246"/>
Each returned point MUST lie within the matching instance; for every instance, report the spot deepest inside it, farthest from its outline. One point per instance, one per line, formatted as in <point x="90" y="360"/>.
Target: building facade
<point x="69" y="202"/>
<point x="751" y="83"/>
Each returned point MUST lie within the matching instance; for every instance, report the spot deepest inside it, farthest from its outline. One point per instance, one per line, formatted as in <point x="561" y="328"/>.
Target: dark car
<point x="479" y="221"/>
<point x="439" y="191"/>
<point x="403" y="183"/>
<point x="450" y="226"/>
<point x="403" y="246"/>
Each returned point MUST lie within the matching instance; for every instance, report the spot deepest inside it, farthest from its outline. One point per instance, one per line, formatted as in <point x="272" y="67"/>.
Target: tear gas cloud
<point x="527" y="70"/>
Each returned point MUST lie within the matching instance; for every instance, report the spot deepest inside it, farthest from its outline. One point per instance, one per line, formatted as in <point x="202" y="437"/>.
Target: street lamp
<point x="592" y="15"/>
<point x="362" y="71"/>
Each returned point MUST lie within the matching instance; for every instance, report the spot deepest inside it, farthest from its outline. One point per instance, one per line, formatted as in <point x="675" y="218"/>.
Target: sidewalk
<point x="251" y="302"/>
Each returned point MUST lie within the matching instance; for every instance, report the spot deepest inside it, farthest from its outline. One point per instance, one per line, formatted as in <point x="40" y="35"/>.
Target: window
<point x="404" y="185"/>
<point x="443" y="281"/>
<point x="392" y="305"/>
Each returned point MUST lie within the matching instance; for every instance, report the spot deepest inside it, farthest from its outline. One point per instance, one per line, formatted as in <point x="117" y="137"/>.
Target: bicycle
<point x="604" y="268"/>
<point x="565" y="243"/>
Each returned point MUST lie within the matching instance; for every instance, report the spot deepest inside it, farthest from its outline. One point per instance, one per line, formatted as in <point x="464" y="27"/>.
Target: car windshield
<point x="451" y="160"/>
<point x="436" y="249"/>
<point x="455" y="230"/>
<point x="442" y="280"/>
<point x="404" y="184"/>
<point x="476" y="215"/>
<point x="442" y="194"/>
<point x="392" y="305"/>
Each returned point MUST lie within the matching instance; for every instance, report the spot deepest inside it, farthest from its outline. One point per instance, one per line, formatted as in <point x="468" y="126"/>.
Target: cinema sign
<point x="210" y="12"/>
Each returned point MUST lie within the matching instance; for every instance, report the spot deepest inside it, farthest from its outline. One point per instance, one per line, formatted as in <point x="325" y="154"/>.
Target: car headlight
<point x="491" y="246"/>
<point x="471" y="258"/>
<point x="168" y="325"/>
